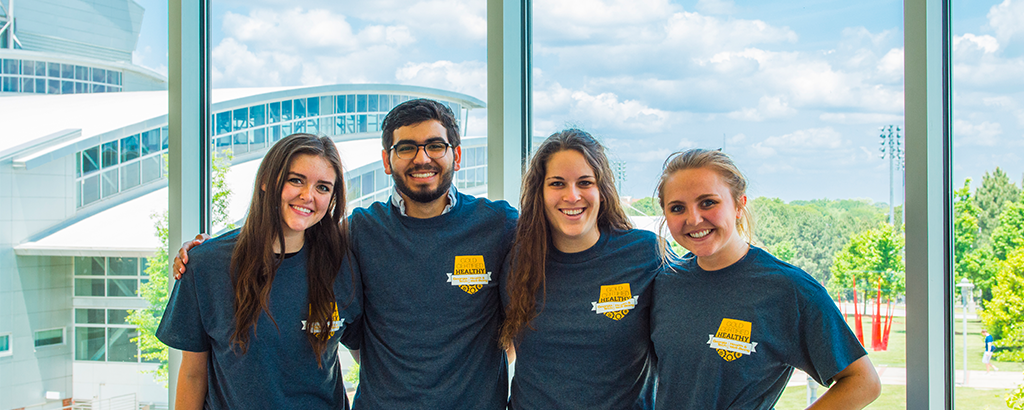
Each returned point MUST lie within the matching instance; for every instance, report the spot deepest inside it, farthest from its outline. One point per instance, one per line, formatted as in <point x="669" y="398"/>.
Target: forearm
<point x="191" y="390"/>
<point x="855" y="387"/>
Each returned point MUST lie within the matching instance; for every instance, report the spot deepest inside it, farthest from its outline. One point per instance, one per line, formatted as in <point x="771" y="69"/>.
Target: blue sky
<point x="795" y="90"/>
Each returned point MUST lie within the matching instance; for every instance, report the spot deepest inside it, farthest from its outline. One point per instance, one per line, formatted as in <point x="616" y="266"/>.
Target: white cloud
<point x="467" y="78"/>
<point x="716" y="6"/>
<point x="860" y="118"/>
<point x="1007" y="19"/>
<point x="809" y="139"/>
<point x="767" y="107"/>
<point x="985" y="43"/>
<point x="983" y="134"/>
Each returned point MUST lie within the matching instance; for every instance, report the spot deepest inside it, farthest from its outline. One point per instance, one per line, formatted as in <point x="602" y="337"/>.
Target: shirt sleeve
<point x="828" y="343"/>
<point x="181" y="326"/>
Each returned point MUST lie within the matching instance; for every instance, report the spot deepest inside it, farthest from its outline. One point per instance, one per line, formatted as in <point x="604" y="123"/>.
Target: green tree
<point x="1009" y="235"/>
<point x="991" y="197"/>
<point x="809" y="233"/>
<point x="1002" y="316"/>
<point x="975" y="263"/>
<point x="644" y="207"/>
<point x="872" y="258"/>
<point x="155" y="290"/>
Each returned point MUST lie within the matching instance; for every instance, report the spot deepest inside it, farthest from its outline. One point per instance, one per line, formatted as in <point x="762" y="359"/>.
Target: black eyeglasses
<point x="408" y="150"/>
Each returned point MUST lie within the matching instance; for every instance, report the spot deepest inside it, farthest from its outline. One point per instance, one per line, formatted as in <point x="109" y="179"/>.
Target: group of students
<point x="436" y="292"/>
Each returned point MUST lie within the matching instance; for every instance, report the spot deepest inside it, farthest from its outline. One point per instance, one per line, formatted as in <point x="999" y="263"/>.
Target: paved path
<point x="975" y="378"/>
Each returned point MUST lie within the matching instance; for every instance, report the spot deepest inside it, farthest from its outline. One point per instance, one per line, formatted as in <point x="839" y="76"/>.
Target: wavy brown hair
<point x="533" y="236"/>
<point x="254" y="262"/>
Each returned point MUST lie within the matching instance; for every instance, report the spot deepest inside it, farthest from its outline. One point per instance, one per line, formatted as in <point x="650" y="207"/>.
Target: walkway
<point x="975" y="378"/>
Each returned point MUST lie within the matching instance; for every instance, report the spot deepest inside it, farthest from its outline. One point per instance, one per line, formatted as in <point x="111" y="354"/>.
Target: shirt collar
<point x="399" y="202"/>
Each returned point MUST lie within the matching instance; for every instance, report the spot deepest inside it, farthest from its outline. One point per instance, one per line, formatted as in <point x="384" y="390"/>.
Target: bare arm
<point x="192" y="381"/>
<point x="855" y="387"/>
<point x="182" y="257"/>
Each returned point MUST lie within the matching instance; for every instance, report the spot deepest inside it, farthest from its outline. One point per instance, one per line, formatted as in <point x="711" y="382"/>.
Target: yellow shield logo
<point x="470" y="273"/>
<point x="615" y="301"/>
<point x="732" y="340"/>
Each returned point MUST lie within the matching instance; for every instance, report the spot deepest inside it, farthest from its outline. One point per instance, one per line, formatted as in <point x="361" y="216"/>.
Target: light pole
<point x="892" y="146"/>
<point x="965" y="288"/>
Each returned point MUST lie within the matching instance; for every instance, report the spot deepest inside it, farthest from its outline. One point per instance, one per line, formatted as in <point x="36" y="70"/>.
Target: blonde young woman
<point x="731" y="322"/>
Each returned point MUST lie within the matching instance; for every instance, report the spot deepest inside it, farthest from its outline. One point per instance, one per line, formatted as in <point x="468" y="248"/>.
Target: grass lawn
<point x="895" y="397"/>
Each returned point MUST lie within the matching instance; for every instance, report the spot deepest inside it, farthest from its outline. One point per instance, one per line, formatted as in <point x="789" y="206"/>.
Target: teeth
<point x="700" y="234"/>
<point x="423" y="175"/>
<point x="301" y="209"/>
<point x="572" y="212"/>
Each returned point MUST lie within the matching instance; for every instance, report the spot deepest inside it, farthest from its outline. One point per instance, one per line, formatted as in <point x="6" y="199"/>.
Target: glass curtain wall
<point x="988" y="174"/>
<point x="806" y="97"/>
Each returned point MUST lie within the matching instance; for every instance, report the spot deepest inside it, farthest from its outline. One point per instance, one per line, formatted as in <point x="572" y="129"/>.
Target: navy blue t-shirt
<point x="279" y="369"/>
<point x="590" y="343"/>
<point x="432" y="309"/>
<point x="730" y="338"/>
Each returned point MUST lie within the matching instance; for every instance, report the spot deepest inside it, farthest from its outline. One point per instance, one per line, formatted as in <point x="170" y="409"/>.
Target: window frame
<point x="63" y="337"/>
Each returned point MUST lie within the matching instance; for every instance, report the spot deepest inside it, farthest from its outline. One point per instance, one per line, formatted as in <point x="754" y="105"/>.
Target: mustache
<point x="424" y="167"/>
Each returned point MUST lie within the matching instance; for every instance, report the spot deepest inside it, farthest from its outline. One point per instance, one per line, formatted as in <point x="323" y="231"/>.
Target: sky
<point x="795" y="91"/>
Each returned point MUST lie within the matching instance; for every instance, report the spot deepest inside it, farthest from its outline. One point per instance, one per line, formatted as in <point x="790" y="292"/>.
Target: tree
<point x="991" y="197"/>
<point x="155" y="290"/>
<point x="644" y="207"/>
<point x="970" y="261"/>
<point x="1009" y="235"/>
<point x="873" y="261"/>
<point x="1002" y="316"/>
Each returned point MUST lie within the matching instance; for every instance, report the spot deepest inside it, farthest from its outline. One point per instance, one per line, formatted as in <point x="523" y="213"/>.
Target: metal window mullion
<point x="928" y="110"/>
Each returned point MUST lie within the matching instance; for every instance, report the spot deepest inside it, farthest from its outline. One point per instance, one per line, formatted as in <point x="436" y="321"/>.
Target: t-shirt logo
<point x="615" y="301"/>
<point x="470" y="273"/>
<point x="732" y="340"/>
<point x="336" y="322"/>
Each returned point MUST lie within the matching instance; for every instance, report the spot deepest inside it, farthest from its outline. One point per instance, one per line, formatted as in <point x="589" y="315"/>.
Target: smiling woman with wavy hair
<point x="577" y="295"/>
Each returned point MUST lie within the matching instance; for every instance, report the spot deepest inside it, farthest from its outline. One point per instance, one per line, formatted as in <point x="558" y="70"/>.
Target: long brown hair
<point x="533" y="237"/>
<point x="719" y="162"/>
<point x="254" y="262"/>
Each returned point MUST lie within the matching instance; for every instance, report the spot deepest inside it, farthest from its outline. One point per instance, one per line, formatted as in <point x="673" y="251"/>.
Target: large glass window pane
<point x="5" y="345"/>
<point x="362" y="123"/>
<point x="150" y="169"/>
<point x="53" y="70"/>
<point x="89" y="316"/>
<point x="131" y="175"/>
<point x="122" y="287"/>
<point x="130" y="148"/>
<point x="11" y="66"/>
<point x="350" y="103"/>
<point x="89" y="266"/>
<point x="367" y="183"/>
<point x="120" y="347"/>
<point x="28" y="85"/>
<point x="67" y="71"/>
<point x="90" y="190"/>
<point x="108" y="182"/>
<point x="150" y="141"/>
<point x="354" y="188"/>
<point x="286" y="110"/>
<point x="275" y="112"/>
<point x="241" y="119"/>
<point x="361" y="103"/>
<point x="40" y="86"/>
<point x="327" y="105"/>
<point x="257" y="115"/>
<point x="117" y="317"/>
<point x="99" y="75"/>
<point x="371" y="103"/>
<point x="222" y="122"/>
<point x="110" y="154"/>
<point x="90" y="343"/>
<point x="123" y="266"/>
<point x="81" y="73"/>
<point x="91" y="160"/>
<point x="312" y="107"/>
<point x="89" y="287"/>
<point x="299" y="108"/>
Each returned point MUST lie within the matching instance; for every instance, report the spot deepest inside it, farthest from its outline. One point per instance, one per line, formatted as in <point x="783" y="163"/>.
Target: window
<point x="108" y="277"/>
<point x="105" y="335"/>
<point x="5" y="345"/>
<point x="49" y="337"/>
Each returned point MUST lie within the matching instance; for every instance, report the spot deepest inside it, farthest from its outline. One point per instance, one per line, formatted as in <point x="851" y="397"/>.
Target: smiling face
<point x="305" y="197"/>
<point x="422" y="179"/>
<point x="701" y="214"/>
<point x="571" y="201"/>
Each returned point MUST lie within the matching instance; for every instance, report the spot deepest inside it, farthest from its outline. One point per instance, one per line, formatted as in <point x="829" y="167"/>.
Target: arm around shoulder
<point x="855" y="387"/>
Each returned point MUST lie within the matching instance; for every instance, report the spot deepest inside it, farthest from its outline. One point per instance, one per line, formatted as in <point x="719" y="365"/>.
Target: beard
<point x="430" y="195"/>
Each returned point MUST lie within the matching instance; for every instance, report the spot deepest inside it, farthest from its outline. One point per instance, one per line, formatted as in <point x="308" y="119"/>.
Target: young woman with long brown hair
<point x="578" y="292"/>
<point x="261" y="313"/>
<point x="730" y="321"/>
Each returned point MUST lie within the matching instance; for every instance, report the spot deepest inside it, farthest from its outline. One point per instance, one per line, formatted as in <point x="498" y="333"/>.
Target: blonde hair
<point x="717" y="161"/>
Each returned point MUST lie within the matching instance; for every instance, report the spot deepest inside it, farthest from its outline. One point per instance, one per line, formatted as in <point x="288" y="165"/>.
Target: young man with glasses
<point x="430" y="261"/>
